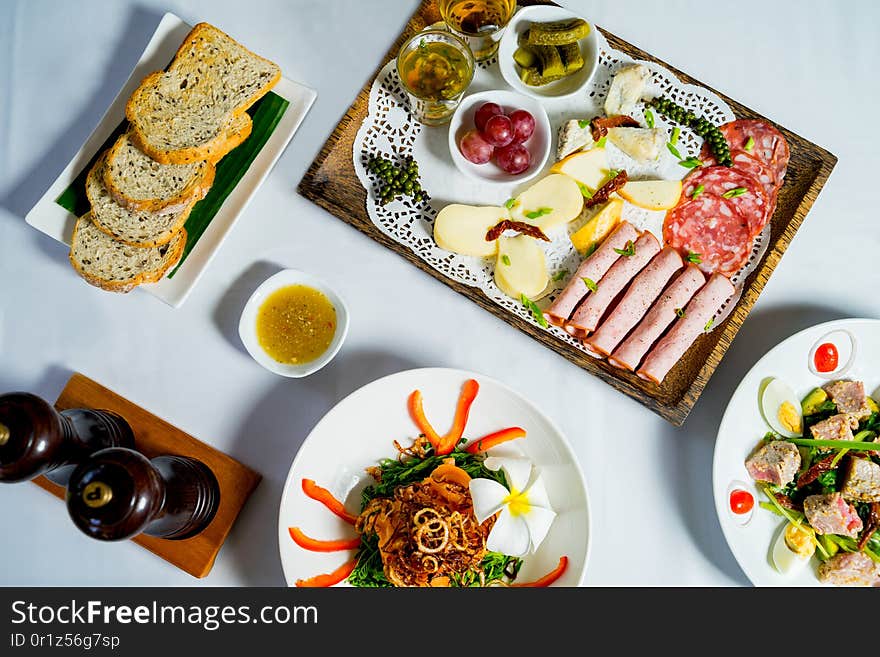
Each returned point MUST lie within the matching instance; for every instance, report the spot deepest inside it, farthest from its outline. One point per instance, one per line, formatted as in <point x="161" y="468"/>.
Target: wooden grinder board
<point x="332" y="183"/>
<point x="156" y="437"/>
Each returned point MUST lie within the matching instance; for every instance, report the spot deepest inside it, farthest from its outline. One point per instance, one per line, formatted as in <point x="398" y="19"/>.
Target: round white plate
<point x="359" y="430"/>
<point x="743" y="426"/>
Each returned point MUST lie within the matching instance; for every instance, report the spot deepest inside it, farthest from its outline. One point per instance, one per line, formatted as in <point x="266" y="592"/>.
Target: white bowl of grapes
<point x="500" y="137"/>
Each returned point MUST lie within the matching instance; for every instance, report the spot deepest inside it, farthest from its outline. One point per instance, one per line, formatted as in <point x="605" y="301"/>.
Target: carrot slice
<point x="491" y="440"/>
<point x="316" y="545"/>
<point x="324" y="496"/>
<point x="462" y="410"/>
<point x="417" y="411"/>
<point x="550" y="577"/>
<point x="329" y="579"/>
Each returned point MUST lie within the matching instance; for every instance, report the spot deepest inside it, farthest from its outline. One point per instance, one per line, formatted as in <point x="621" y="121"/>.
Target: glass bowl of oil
<point x="293" y="324"/>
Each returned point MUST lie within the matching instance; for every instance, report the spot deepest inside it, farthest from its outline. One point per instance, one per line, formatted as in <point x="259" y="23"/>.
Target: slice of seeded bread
<point x="237" y="130"/>
<point x="142" y="228"/>
<point x="117" y="267"/>
<point x="140" y="183"/>
<point x="178" y="115"/>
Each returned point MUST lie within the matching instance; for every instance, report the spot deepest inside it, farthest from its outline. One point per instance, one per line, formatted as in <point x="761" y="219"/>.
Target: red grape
<point x="523" y="125"/>
<point x="514" y="158"/>
<point x="485" y="112"/>
<point x="475" y="148"/>
<point x="498" y="130"/>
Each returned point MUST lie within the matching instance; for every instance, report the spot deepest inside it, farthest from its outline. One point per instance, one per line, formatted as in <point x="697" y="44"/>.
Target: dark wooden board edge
<point x="674" y="406"/>
<point x="194" y="555"/>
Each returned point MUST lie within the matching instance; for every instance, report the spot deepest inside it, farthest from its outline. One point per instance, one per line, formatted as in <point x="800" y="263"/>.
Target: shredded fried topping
<point x="427" y="531"/>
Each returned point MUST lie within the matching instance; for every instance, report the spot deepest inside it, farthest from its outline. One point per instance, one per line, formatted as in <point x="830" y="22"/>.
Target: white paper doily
<point x="388" y="130"/>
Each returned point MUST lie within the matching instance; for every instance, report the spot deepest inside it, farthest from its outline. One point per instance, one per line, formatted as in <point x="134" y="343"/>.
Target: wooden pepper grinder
<point x="35" y="439"/>
<point x="118" y="493"/>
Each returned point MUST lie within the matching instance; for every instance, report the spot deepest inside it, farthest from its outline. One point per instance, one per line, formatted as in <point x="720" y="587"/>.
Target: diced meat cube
<point x="830" y="514"/>
<point x="850" y="397"/>
<point x="776" y="462"/>
<point x="850" y="569"/>
<point x="862" y="481"/>
<point x="836" y="427"/>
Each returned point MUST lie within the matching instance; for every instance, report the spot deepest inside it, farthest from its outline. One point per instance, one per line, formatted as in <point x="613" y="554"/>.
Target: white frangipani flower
<point x="525" y="512"/>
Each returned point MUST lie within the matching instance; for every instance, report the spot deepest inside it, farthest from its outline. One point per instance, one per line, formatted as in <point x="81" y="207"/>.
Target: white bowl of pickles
<point x="548" y="52"/>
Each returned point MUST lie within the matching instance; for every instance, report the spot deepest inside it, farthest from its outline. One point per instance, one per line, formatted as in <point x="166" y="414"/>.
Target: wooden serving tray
<point x="332" y="183"/>
<point x="155" y="437"/>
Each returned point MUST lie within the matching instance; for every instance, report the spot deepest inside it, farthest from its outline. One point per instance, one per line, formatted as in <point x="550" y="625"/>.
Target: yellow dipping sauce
<point x="296" y="324"/>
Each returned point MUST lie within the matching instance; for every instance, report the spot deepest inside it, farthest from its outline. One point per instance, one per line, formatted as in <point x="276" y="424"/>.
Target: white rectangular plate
<point x="52" y="219"/>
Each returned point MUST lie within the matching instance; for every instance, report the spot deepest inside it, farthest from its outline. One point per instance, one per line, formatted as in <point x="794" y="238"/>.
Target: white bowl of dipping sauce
<point x="293" y="324"/>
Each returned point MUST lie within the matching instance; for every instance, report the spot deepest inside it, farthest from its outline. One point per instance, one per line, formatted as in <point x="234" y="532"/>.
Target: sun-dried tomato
<point x="520" y="226"/>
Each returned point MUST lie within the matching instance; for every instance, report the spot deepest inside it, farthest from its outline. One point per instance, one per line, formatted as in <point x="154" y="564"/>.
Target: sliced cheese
<point x="551" y="202"/>
<point x="462" y="228"/>
<point x="598" y="227"/>
<point x="627" y="88"/>
<point x="573" y="137"/>
<point x="520" y="267"/>
<point x="641" y="144"/>
<point x="652" y="194"/>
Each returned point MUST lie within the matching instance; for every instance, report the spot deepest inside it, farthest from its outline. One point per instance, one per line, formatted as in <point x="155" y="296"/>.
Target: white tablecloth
<point x="809" y="65"/>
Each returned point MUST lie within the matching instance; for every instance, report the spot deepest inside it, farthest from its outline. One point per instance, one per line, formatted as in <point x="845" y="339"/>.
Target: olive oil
<point x="481" y="22"/>
<point x="435" y="68"/>
<point x="296" y="324"/>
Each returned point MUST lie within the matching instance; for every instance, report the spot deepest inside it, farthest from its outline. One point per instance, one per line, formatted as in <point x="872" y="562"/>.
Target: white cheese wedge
<point x="627" y="88"/>
<point x="641" y="144"/>
<point x="573" y="138"/>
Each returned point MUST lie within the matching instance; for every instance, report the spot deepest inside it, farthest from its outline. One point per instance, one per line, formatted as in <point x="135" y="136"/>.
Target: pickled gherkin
<point x="558" y="33"/>
<point x="550" y="61"/>
<point x="525" y="57"/>
<point x="534" y="78"/>
<point x="572" y="60"/>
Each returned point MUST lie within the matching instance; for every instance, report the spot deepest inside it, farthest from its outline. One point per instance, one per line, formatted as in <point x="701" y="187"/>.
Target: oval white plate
<point x="561" y="88"/>
<point x="247" y="326"/>
<point x="538" y="144"/>
<point x="743" y="426"/>
<point x="359" y="431"/>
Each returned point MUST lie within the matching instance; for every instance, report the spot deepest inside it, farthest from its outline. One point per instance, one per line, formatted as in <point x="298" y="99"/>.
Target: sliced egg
<point x="782" y="409"/>
<point x="844" y="343"/>
<point x="740" y="502"/>
<point x="793" y="548"/>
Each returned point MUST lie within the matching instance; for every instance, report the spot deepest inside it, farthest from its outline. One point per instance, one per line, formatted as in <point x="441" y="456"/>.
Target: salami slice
<point x="751" y="200"/>
<point x="769" y="146"/>
<point x="712" y="227"/>
<point x="746" y="163"/>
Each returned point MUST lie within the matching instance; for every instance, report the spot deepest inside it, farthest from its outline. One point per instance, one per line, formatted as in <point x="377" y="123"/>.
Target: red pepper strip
<point x="323" y="496"/>
<point x="319" y="581"/>
<point x="417" y="412"/>
<point x="316" y="545"/>
<point x="468" y="393"/>
<point x="493" y="439"/>
<point x="550" y="577"/>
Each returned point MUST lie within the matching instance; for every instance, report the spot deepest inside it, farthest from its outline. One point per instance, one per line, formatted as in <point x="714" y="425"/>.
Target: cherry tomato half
<point x="741" y="501"/>
<point x="825" y="358"/>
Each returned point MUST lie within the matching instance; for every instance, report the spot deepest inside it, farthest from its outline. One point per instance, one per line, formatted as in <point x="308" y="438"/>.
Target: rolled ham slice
<point x="642" y="292"/>
<point x="586" y="317"/>
<point x="630" y="352"/>
<point x="594" y="268"/>
<point x="681" y="336"/>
